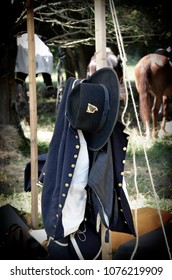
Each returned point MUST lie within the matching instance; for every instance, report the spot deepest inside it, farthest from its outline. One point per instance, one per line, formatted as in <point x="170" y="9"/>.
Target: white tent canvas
<point x="43" y="55"/>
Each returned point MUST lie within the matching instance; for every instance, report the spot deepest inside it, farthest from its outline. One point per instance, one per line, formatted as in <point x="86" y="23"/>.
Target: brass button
<point x="77" y="146"/>
<point x="57" y="215"/>
<point x="70" y="175"/>
<point x="124" y="149"/>
<point x="73" y="165"/>
<point x="119" y="198"/>
<point x="121" y="210"/>
<point x="123" y="161"/>
<point x="122" y="173"/>
<point x="76" y="136"/>
<point x="125" y="222"/>
<point x="120" y="185"/>
<point x="66" y="185"/>
<point x="60" y="206"/>
<point x="63" y="194"/>
<point x="75" y="156"/>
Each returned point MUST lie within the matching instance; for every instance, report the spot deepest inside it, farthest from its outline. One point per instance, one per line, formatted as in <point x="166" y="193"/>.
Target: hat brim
<point x="108" y="77"/>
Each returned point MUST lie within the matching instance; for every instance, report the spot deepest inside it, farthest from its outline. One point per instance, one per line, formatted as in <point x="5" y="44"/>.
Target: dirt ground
<point x="12" y="162"/>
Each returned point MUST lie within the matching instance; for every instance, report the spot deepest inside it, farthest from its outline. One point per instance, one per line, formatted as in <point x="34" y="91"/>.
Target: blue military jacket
<point x="59" y="169"/>
<point x="60" y="165"/>
<point x="106" y="182"/>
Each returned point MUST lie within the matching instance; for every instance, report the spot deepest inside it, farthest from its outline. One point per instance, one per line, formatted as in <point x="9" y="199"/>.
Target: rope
<point x="122" y="55"/>
<point x="126" y="81"/>
<point x="136" y="212"/>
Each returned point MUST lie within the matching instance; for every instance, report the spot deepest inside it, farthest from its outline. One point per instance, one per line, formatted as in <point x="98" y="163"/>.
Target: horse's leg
<point x="164" y="112"/>
<point x="143" y="88"/>
<point x="155" y="110"/>
<point x="144" y="101"/>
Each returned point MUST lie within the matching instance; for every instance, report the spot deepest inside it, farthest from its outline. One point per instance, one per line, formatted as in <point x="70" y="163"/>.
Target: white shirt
<point x="74" y="208"/>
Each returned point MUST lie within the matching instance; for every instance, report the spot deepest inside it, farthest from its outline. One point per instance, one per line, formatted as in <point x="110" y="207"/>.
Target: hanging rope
<point x="122" y="56"/>
<point x="127" y="85"/>
<point x="136" y="213"/>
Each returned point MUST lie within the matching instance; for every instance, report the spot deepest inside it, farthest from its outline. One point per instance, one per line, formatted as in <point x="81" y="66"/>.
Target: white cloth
<point x="74" y="208"/>
<point x="43" y="55"/>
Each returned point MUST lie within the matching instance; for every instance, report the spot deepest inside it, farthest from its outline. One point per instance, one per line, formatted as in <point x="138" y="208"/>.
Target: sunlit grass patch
<point x="149" y="167"/>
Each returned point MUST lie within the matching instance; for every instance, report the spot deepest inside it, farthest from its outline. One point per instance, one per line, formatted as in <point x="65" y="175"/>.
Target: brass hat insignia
<point x="91" y="108"/>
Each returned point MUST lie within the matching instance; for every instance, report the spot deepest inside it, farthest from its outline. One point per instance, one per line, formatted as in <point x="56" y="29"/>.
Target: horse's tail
<point x="142" y="75"/>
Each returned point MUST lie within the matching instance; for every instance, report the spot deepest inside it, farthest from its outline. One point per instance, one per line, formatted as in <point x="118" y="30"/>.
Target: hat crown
<point x="87" y="107"/>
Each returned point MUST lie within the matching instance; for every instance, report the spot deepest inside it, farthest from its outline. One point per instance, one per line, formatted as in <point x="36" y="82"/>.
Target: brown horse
<point x="153" y="76"/>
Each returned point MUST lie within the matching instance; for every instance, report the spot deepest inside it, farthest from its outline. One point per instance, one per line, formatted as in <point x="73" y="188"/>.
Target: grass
<point x="152" y="169"/>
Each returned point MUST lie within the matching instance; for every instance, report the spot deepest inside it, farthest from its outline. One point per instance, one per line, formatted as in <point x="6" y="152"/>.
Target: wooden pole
<point x="33" y="113"/>
<point x="100" y="37"/>
<point x="100" y="33"/>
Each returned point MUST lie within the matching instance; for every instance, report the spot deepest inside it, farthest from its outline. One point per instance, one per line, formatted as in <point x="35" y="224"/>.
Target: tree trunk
<point x="69" y="63"/>
<point x="77" y="60"/>
<point x="81" y="62"/>
<point x="7" y="83"/>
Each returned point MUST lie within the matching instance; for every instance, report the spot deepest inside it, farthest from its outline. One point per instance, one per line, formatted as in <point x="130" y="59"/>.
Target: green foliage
<point x="24" y="148"/>
<point x="42" y="148"/>
<point x="46" y="120"/>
